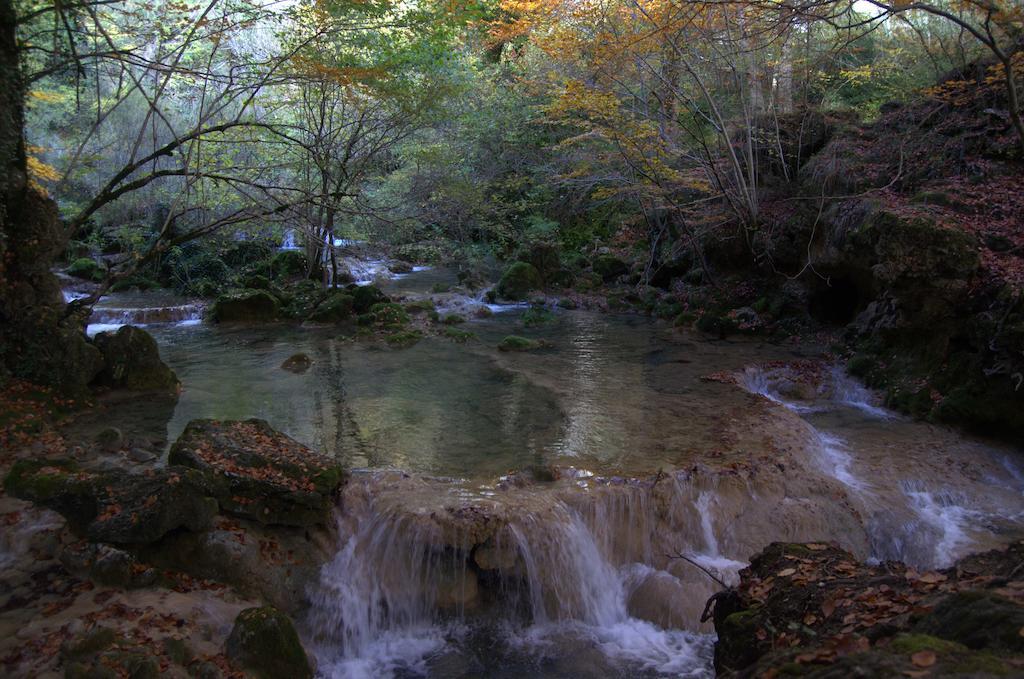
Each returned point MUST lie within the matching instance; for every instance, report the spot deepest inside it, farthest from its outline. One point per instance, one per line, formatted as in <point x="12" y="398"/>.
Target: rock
<point x="456" y="588"/>
<point x="660" y="598"/>
<point x="517" y="343"/>
<point x="364" y="297"/>
<point x="263" y="474"/>
<point x="288" y="264"/>
<point x="336" y="308"/>
<point x="86" y="268"/>
<point x="400" y="267"/>
<point x="141" y="456"/>
<point x="483" y="312"/>
<point x="264" y="642"/>
<point x="297" y="363"/>
<point x="275" y="564"/>
<point x="609" y="267"/>
<point x="110" y="439"/>
<point x="519" y="279"/>
<point x="131" y="360"/>
<point x="117" y="507"/>
<point x="108" y="565"/>
<point x="453" y="319"/>
<point x="246" y="306"/>
<point x="809" y="595"/>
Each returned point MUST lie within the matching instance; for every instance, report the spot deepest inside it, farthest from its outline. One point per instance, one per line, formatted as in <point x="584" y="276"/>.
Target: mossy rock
<point x="453" y="319"/>
<point x="389" y="315"/>
<point x="338" y="307"/>
<point x="87" y="269"/>
<point x="364" y="297"/>
<point x="609" y="267"/>
<point x="441" y="288"/>
<point x="116" y="507"/>
<point x="400" y="267"/>
<point x="568" y="303"/>
<point x="537" y="315"/>
<point x="404" y="338"/>
<point x="420" y="306"/>
<point x="978" y="620"/>
<point x="263" y="475"/>
<point x="246" y="306"/>
<point x="131" y="360"/>
<point x="288" y="264"/>
<point x="459" y="335"/>
<point x="256" y="282"/>
<point x="519" y="279"/>
<point x="517" y="343"/>
<point x="264" y="642"/>
<point x="716" y="323"/>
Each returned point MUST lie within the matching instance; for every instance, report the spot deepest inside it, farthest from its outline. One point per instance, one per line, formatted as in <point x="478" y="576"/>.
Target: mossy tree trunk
<point x="37" y="341"/>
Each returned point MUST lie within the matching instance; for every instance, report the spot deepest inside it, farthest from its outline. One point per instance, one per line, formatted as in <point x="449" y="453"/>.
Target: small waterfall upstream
<point x="108" y="318"/>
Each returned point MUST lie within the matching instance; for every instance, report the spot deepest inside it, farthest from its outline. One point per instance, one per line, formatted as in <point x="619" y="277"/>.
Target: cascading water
<point x="105" y="318"/>
<point x="401" y="591"/>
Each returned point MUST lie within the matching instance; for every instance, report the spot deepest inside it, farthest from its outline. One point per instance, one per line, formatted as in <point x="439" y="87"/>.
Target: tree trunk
<point x="37" y="341"/>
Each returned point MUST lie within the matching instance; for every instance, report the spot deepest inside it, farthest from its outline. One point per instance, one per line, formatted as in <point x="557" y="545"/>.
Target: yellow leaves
<point x="46" y="97"/>
<point x="348" y="75"/>
<point x="40" y="171"/>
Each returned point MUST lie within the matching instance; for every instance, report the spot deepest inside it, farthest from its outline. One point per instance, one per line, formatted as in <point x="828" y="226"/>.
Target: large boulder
<point x="117" y="507"/>
<point x="519" y="279"/>
<point x="288" y="264"/>
<point x="265" y="643"/>
<point x="264" y="475"/>
<point x="131" y="360"/>
<point x="246" y="306"/>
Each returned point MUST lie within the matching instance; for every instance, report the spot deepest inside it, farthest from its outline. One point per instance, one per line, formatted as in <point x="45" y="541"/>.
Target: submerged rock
<point x="246" y="306"/>
<point x="265" y="643"/>
<point x="297" y="363"/>
<point x="263" y="475"/>
<point x="131" y="360"/>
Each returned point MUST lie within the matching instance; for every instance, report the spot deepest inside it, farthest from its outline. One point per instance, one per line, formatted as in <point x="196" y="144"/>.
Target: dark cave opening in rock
<point x="837" y="301"/>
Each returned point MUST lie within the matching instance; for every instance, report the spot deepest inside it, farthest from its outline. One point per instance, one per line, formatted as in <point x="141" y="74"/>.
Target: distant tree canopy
<point x="484" y="122"/>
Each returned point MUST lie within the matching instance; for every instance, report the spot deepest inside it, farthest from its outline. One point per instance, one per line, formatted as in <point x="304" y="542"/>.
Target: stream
<point x="523" y="514"/>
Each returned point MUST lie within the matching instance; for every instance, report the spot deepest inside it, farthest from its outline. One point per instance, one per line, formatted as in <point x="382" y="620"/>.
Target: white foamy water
<point x="837" y="462"/>
<point x="393" y="599"/>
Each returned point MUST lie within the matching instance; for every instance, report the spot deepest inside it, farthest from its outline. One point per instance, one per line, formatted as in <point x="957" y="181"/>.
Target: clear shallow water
<point x="616" y="396"/>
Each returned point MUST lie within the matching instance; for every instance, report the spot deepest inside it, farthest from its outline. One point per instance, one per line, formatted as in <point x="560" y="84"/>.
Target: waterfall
<point x="403" y="589"/>
<point x="105" y="319"/>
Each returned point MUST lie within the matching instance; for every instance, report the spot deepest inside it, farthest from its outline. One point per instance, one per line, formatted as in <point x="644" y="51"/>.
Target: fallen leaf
<point x="786" y="572"/>
<point x="923" y="658"/>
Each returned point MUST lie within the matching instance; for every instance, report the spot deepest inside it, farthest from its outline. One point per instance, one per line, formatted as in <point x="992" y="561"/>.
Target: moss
<point x="336" y="308"/>
<point x="87" y="269"/>
<point x="537" y="315"/>
<point x="519" y="279"/>
<point x="567" y="303"/>
<point x="246" y="306"/>
<point x="609" y="267"/>
<point x="517" y="343"/>
<point x="684" y="320"/>
<point x="93" y="641"/>
<point x="459" y="335"/>
<point x="453" y="319"/>
<point x="420" y="306"/>
<point x="977" y="620"/>
<point x="405" y="338"/>
<point x="365" y="296"/>
<point x="912" y="643"/>
<point x="389" y="315"/>
<point x="288" y="264"/>
<point x="264" y="642"/>
<point x="440" y="288"/>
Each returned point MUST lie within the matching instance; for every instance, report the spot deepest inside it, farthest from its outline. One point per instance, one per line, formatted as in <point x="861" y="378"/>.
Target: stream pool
<point x="615" y="402"/>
